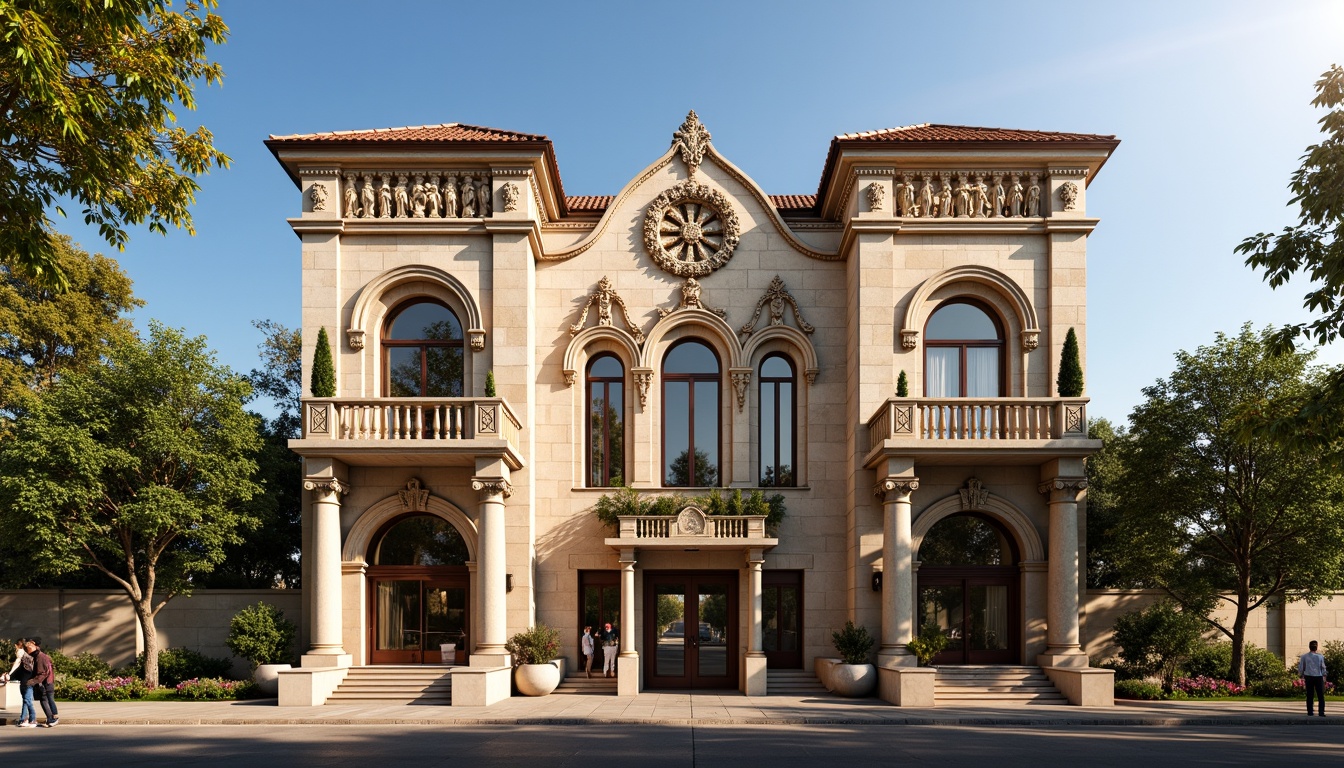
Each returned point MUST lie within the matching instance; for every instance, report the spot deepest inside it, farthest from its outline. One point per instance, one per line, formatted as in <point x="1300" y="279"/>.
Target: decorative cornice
<point x="319" y="171"/>
<point x="1069" y="172"/>
<point x="327" y="485"/>
<point x="492" y="486"/>
<point x="524" y="173"/>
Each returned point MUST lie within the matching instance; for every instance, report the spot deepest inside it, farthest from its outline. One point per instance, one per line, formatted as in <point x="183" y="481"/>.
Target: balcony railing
<point x="409" y="419"/>
<point x="683" y="526"/>
<point x="944" y="419"/>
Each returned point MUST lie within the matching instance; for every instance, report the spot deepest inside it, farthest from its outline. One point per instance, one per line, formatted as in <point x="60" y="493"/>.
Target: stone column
<point x="1062" y="646"/>
<point x="898" y="576"/>
<point x="491" y="568"/>
<point x="326" y="650"/>
<point x="627" y="677"/>
<point x="754" y="681"/>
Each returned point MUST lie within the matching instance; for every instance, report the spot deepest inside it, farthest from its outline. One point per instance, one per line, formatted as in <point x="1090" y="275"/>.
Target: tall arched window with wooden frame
<point x="963" y="351"/>
<point x="606" y="422"/>
<point x="691" y="415"/>
<point x="778" y="430"/>
<point x="422" y="351"/>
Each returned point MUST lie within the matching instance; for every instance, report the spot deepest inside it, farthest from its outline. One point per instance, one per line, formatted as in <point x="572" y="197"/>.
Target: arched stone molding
<point x="375" y="300"/>
<point x="1009" y="293"/>
<point x="684" y="323"/>
<point x="783" y="338"/>
<point x="1029" y="544"/>
<point x="360" y="537"/>
<point x="592" y="341"/>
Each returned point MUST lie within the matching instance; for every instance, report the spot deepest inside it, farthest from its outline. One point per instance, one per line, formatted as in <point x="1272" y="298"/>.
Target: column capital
<point x="900" y="487"/>
<point x="326" y="485"/>
<point x="627" y="556"/>
<point x="492" y="486"/>
<point x="1063" y="488"/>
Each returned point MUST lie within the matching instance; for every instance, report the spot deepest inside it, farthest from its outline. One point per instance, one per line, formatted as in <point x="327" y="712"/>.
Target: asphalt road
<point x="650" y="746"/>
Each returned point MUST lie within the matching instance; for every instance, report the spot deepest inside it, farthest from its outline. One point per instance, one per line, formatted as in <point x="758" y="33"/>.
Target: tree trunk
<point x="150" y="635"/>
<point x="1238" y="670"/>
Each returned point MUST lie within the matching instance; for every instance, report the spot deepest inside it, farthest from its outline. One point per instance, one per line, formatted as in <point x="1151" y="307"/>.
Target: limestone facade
<point x="841" y="285"/>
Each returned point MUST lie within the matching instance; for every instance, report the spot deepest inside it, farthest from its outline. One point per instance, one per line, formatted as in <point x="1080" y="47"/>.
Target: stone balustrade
<point x="409" y="419"/>
<point x="946" y="419"/>
<point x="714" y="527"/>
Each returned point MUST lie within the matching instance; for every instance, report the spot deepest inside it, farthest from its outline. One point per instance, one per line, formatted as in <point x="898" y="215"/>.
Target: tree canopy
<point x="138" y="468"/>
<point x="87" y="96"/>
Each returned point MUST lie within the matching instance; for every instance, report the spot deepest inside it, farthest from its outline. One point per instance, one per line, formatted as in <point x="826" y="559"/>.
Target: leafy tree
<point x="261" y="634"/>
<point x="87" y="97"/>
<point x="138" y="468"/>
<point x="1104" y="470"/>
<point x="280" y="376"/>
<point x="683" y="472"/>
<point x="1314" y="248"/>
<point x="1214" y="519"/>
<point x="322" y="380"/>
<point x="1070" y="379"/>
<point x="902" y="385"/>
<point x="1158" y="639"/>
<point x="44" y="333"/>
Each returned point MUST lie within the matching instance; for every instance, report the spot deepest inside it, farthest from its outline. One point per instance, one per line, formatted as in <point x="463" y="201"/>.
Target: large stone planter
<point x="536" y="679"/>
<point x="853" y="680"/>
<point x="267" y="678"/>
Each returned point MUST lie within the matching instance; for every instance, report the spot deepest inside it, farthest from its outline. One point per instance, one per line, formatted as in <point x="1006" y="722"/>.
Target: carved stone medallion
<point x="691" y="229"/>
<point x="691" y="522"/>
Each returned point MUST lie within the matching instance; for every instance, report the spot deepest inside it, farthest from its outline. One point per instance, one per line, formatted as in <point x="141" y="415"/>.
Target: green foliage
<point x="1333" y="651"/>
<point x="1104" y="470"/>
<point x="852" y="643"/>
<point x="1212" y="517"/>
<point x="679" y="473"/>
<point x="178" y="664"/>
<point x="322" y="379"/>
<point x="90" y="92"/>
<point x="280" y="376"/>
<point x="623" y="501"/>
<point x="1215" y="660"/>
<point x="137" y="469"/>
<point x="215" y="689"/>
<point x="1070" y="379"/>
<point x="538" y="645"/>
<point x="82" y="666"/>
<point x="109" y="689"/>
<point x="1276" y="688"/>
<point x="1122" y="670"/>
<point x="1138" y="689"/>
<point x="1158" y="639"/>
<point x="490" y="384"/>
<point x="670" y="610"/>
<point x="261" y="634"/>
<point x="902" y="385"/>
<point x="930" y="643"/>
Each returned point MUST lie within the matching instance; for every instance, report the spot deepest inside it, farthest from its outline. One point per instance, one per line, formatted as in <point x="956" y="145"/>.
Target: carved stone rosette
<point x="691" y="229"/>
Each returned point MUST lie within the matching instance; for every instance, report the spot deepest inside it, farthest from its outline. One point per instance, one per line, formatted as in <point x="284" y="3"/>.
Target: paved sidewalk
<point x="686" y="709"/>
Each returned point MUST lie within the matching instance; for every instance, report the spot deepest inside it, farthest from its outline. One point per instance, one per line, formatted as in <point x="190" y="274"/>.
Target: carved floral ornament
<point x="693" y="139"/>
<point x="414" y="498"/>
<point x="690" y="299"/>
<point x="605" y="296"/>
<point x="775" y="296"/>
<point x="510" y="194"/>
<point x="691" y="229"/>
<point x="690" y="521"/>
<point x="974" y="495"/>
<point x="1068" y="194"/>
<point x="318" y="194"/>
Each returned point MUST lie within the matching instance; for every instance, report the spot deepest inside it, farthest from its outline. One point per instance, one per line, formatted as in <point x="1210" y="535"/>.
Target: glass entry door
<point x="690" y="629"/>
<point x="413" y="618"/>
<point x="977" y="612"/>
<point x="782" y="619"/>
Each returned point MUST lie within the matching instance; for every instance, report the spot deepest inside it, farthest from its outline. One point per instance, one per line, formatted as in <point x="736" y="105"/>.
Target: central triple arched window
<point x="422" y="351"/>
<point x="691" y="413"/>
<point x="963" y="352"/>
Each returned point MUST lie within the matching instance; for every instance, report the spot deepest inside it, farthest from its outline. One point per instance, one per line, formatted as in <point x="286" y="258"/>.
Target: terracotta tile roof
<point x="791" y="203"/>
<point x="936" y="132"/>
<point x="577" y="203"/>
<point x="599" y="203"/>
<point x="441" y="132"/>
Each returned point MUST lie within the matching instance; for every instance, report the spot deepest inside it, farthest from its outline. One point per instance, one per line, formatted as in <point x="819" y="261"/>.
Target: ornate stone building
<point x="506" y="355"/>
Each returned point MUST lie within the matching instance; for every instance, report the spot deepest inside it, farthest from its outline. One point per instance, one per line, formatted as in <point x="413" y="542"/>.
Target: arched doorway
<point x="419" y="590"/>
<point x="968" y="588"/>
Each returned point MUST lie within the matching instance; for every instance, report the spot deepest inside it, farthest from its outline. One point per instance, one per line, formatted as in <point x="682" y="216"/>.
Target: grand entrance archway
<point x="690" y="629"/>
<point x="968" y="587"/>
<point x="420" y="592"/>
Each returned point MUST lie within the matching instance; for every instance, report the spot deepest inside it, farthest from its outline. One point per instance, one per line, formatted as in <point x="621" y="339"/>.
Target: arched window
<point x="778" y="435"/>
<point x="424" y="540"/>
<point x="691" y="415"/>
<point x="606" y="422"/>
<point x="422" y="351"/>
<point x="963" y="352"/>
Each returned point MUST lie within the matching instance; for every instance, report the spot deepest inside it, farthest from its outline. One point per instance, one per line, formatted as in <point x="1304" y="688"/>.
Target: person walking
<point x="43" y="682"/>
<point x="1311" y="668"/>
<point x="21" y="672"/>
<point x="588" y="647"/>
<point x="611" y="639"/>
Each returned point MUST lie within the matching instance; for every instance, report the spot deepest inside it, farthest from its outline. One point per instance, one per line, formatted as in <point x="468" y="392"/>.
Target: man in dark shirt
<point x="43" y="681"/>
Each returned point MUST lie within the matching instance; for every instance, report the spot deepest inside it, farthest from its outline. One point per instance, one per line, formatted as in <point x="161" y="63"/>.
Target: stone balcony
<point x="691" y="530"/>
<point x="424" y="431"/>
<point x="988" y="430"/>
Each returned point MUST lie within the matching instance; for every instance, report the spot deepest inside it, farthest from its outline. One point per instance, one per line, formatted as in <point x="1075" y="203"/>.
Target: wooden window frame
<point x="605" y="382"/>
<point x="692" y="379"/>
<point x="962" y="345"/>
<point x="422" y="344"/>
<point x="775" y="381"/>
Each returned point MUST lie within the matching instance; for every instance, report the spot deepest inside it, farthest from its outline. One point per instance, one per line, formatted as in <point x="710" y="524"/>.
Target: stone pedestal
<point x="906" y="686"/>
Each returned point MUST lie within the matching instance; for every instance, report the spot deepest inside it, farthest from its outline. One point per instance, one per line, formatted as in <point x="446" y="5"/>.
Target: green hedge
<point x="1138" y="689"/>
<point x="178" y="664"/>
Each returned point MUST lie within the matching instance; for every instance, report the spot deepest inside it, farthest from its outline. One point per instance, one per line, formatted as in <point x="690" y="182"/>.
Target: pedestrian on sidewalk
<point x="21" y="672"/>
<point x="588" y="647"/>
<point x="1311" y="668"/>
<point x="44" y="680"/>
<point x="611" y="639"/>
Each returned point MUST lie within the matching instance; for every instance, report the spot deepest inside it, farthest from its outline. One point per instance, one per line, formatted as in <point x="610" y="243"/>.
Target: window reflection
<point x="422" y="352"/>
<point x="606" y="422"/>
<point x="691" y="416"/>
<point x="777" y="410"/>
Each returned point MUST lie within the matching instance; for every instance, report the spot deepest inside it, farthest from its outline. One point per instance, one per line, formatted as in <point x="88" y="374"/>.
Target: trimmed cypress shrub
<point x="322" y="382"/>
<point x="1070" y="381"/>
<point x="902" y="386"/>
<point x="490" y="384"/>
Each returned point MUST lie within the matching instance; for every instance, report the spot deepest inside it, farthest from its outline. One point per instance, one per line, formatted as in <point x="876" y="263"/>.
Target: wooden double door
<point x="416" y="611"/>
<point x="690" y="629"/>
<point x="976" y="608"/>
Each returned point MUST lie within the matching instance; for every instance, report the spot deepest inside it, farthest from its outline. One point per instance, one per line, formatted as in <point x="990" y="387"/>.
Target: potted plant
<point x="853" y="676"/>
<point x="930" y="643"/>
<point x="533" y="652"/>
<point x="261" y="634"/>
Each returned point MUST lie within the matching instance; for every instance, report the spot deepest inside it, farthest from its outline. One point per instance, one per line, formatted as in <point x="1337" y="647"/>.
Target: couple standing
<point x="36" y="675"/>
<point x="609" y="640"/>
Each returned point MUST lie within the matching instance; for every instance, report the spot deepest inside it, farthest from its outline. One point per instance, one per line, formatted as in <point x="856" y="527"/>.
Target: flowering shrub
<point x="111" y="689"/>
<point x="214" y="689"/>
<point x="538" y="645"/>
<point x="1284" y="689"/>
<point x="1203" y="687"/>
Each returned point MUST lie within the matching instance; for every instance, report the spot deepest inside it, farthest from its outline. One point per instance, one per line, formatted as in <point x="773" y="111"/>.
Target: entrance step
<point x="793" y="682"/>
<point x="578" y="684"/>
<point x="994" y="685"/>
<point x="396" y="684"/>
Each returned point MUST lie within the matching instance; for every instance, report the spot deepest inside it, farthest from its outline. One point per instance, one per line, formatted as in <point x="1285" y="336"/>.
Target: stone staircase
<point x="576" y="684"/>
<point x="793" y="682"/>
<point x="395" y="684"/>
<point x="995" y="686"/>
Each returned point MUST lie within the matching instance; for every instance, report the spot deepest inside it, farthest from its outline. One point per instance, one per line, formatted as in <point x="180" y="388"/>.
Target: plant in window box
<point x="930" y="643"/>
<point x="534" y="652"/>
<point x="854" y="676"/>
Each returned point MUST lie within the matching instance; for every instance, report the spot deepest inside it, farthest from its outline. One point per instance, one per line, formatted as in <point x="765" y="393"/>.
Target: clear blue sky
<point x="1211" y="101"/>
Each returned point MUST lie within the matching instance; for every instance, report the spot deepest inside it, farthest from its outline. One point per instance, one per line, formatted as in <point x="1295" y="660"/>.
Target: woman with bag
<point x="21" y="673"/>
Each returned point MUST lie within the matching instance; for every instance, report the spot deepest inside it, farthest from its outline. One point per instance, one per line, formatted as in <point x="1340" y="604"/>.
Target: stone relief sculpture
<point x="691" y="229"/>
<point x="467" y="199"/>
<point x="693" y="139"/>
<point x="483" y="198"/>
<point x="973" y="495"/>
<point x="351" y="197"/>
<point x="366" y="198"/>
<point x="945" y="195"/>
<point x="996" y="197"/>
<point x="690" y="299"/>
<point x="963" y="202"/>
<point x="776" y="296"/>
<point x="907" y="198"/>
<point x="402" y="197"/>
<point x="1068" y="194"/>
<point x="432" y="194"/>
<point x="1015" y="196"/>
<point x="418" y="198"/>
<point x="877" y="194"/>
<point x="450" y="197"/>
<point x="1034" y="196"/>
<point x="318" y="194"/>
<point x="926" y="196"/>
<point x="510" y="194"/>
<point x="979" y="198"/>
<point x="385" y="197"/>
<point x="605" y="296"/>
<point x="415" y="498"/>
<point x="433" y="200"/>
